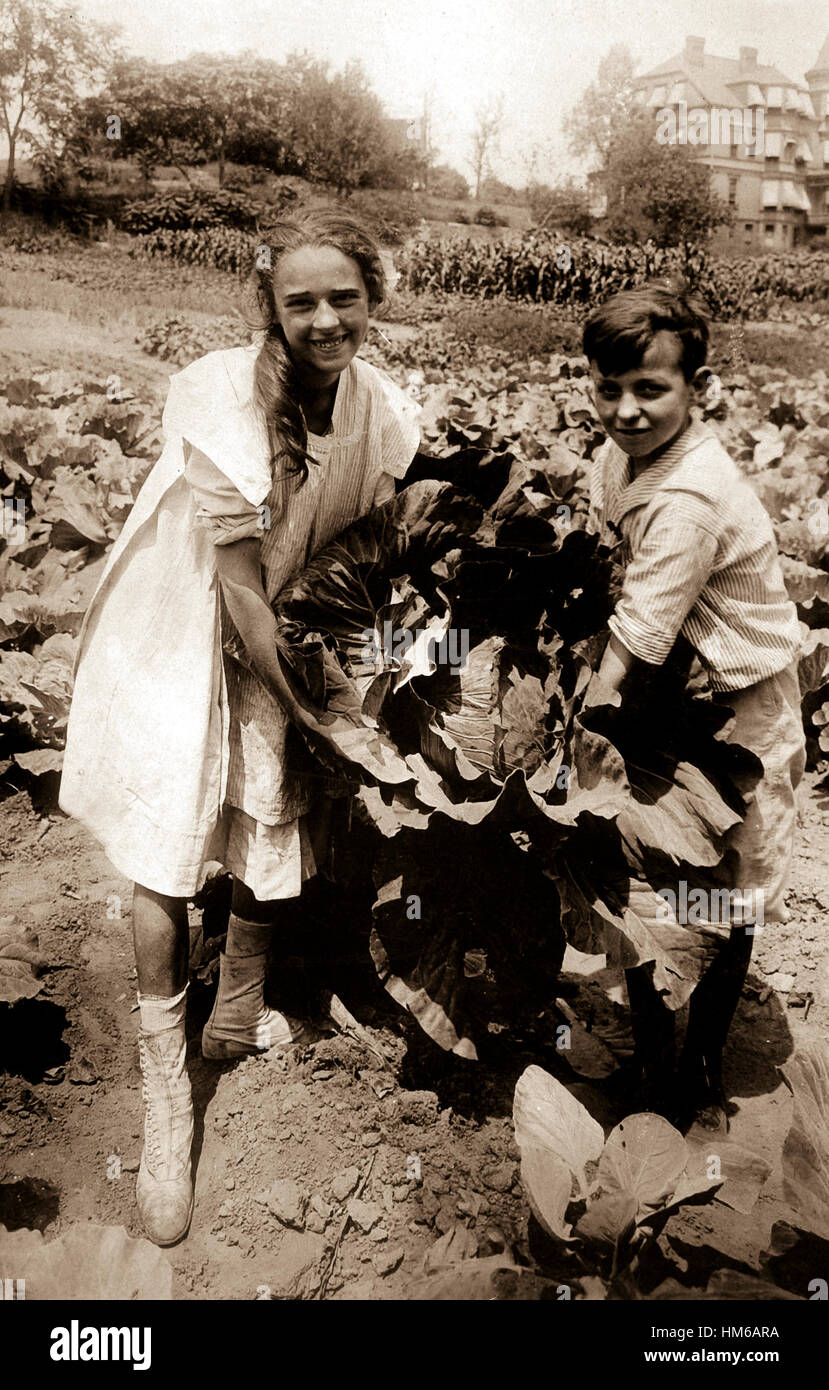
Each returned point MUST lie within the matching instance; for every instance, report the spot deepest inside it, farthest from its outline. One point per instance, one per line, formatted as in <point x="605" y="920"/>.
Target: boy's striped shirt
<point x="700" y="559"/>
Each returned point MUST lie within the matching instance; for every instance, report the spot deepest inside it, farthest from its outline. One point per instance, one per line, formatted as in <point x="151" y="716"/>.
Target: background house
<point x="778" y="187"/>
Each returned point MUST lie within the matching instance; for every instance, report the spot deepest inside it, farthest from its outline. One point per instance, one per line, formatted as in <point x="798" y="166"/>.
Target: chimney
<point x="748" y="59"/>
<point x="694" y="49"/>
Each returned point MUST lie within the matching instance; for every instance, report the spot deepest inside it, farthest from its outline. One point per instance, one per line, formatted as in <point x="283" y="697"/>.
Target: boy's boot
<point x="654" y="1037"/>
<point x="241" y="1023"/>
<point x="712" y="1008"/>
<point x="164" y="1190"/>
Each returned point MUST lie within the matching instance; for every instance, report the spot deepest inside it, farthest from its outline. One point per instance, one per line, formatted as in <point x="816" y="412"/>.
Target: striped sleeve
<point x="400" y="428"/>
<point x="666" y="576"/>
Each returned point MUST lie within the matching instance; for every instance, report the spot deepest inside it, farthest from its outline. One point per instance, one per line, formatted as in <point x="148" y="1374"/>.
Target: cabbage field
<point x="552" y="810"/>
<point x="488" y="539"/>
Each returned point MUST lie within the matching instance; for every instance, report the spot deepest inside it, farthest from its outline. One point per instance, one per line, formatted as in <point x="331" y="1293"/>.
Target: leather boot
<point x="164" y="1190"/>
<point x="240" y="1023"/>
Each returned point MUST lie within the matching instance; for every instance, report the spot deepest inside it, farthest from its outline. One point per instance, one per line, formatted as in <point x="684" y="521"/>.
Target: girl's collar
<point x="344" y="386"/>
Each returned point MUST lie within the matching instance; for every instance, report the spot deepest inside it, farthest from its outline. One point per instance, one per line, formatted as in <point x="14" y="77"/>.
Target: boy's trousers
<point x="768" y="722"/>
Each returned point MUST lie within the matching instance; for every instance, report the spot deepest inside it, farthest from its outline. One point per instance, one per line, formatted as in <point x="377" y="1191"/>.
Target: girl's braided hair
<point x="275" y="378"/>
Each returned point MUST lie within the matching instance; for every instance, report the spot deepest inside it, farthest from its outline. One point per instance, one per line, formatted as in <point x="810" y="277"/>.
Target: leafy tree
<point x="658" y="191"/>
<point x="145" y="115"/>
<point x="566" y="206"/>
<point x="496" y="191"/>
<point x="237" y="105"/>
<point x="489" y="120"/>
<point x="47" y="56"/>
<point x="605" y="107"/>
<point x="187" y="113"/>
<point x="446" y="182"/>
<point x="336" y="124"/>
<point x="295" y="118"/>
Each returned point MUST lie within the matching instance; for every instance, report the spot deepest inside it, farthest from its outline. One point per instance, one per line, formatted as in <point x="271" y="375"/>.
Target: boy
<point x="701" y="561"/>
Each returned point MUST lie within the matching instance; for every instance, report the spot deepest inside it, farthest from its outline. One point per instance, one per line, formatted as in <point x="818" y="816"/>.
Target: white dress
<point x="175" y="755"/>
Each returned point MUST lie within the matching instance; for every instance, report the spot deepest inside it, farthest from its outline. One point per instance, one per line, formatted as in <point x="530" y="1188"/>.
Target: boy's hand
<point x="605" y="686"/>
<point x="599" y="692"/>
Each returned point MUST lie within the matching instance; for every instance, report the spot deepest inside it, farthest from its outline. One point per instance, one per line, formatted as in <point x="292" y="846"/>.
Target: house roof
<point x="822" y="60"/>
<point x="715" y="78"/>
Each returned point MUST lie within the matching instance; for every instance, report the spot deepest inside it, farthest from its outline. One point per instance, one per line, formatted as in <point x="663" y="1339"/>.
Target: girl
<point x="175" y="754"/>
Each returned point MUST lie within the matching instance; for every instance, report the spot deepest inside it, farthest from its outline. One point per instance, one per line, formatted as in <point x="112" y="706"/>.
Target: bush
<point x="567" y="206"/>
<point x="446" y="182"/>
<point x="226" y="248"/>
<point x="462" y="216"/>
<point x="192" y="211"/>
<point x="78" y="213"/>
<point x="488" y="217"/>
<point x="244" y="176"/>
<point x="390" y="215"/>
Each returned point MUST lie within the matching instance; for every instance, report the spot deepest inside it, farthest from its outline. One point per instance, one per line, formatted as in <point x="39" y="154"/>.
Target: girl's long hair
<point x="275" y="378"/>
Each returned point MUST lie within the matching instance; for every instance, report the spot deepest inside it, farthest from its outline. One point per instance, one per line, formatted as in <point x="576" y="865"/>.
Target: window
<point x="769" y="229"/>
<point x="733" y="151"/>
<point x="749" y="226"/>
<point x="774" y="144"/>
<point x="732" y="192"/>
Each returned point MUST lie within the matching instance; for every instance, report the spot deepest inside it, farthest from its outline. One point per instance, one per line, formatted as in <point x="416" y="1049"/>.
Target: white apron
<point x="145" y="767"/>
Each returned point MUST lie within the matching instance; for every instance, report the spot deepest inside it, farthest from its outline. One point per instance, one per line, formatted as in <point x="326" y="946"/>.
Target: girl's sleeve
<point x="384" y="490"/>
<point x="220" y="507"/>
<point x="210" y="409"/>
<point x="399" y="436"/>
<point x="400" y="428"/>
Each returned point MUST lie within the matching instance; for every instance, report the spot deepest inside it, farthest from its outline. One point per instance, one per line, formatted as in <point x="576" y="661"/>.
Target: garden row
<point x="583" y="271"/>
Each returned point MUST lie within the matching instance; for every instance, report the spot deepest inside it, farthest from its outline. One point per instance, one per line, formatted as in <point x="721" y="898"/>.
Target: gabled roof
<point x="716" y="76"/>
<point x="822" y="60"/>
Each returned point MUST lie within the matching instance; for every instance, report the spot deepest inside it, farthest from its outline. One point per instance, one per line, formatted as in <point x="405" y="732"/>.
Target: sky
<point x="539" y="55"/>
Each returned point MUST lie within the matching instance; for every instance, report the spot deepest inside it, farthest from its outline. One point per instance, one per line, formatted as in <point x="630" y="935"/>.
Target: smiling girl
<point x="176" y="747"/>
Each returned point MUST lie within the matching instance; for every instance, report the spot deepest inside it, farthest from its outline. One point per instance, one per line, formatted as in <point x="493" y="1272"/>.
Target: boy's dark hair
<point x="617" y="335"/>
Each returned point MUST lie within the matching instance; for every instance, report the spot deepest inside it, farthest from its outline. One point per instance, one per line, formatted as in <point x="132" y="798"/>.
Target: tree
<point x="142" y="115"/>
<point x="658" y="191"/>
<point x="421" y="131"/>
<point x="496" y="191"/>
<point x="336" y="124"/>
<point x="47" y="56"/>
<point x="605" y="107"/>
<point x="566" y="206"/>
<point x="186" y="113"/>
<point x="446" y="182"/>
<point x="489" y="120"/>
<point x="234" y="104"/>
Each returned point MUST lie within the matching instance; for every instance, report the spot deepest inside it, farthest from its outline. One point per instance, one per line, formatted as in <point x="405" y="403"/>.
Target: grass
<point x="102" y="285"/>
<point x="522" y="331"/>
<point x="792" y="349"/>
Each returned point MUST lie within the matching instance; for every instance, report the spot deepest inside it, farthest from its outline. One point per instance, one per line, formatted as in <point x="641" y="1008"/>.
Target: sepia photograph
<point x="414" y="666"/>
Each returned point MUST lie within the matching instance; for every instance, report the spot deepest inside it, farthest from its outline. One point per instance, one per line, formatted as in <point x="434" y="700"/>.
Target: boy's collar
<point x="638" y="491"/>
